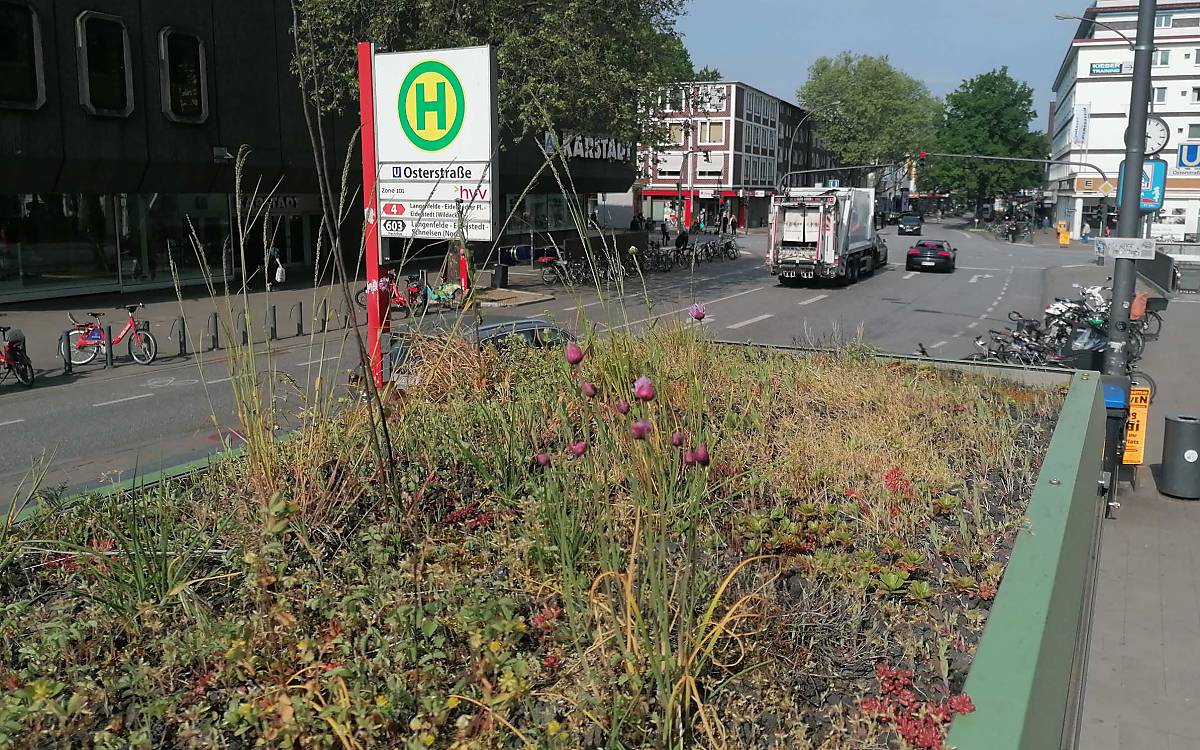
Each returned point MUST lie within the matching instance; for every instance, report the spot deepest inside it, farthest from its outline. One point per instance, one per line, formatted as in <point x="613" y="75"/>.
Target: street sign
<point x="1130" y="248"/>
<point x="1154" y="184"/>
<point x="835" y="183"/>
<point x="1135" y="428"/>
<point x="435" y="142"/>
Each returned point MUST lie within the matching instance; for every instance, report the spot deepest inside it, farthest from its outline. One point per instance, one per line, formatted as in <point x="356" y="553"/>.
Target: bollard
<point x="272" y="328"/>
<point x="179" y="327"/>
<point x="108" y="350"/>
<point x="214" y="339"/>
<point x="323" y="315"/>
<point x="297" y="312"/>
<point x="241" y="325"/>
<point x="64" y="348"/>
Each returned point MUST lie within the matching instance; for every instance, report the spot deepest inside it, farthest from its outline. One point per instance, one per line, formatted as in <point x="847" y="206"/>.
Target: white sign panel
<point x="1132" y="248"/>
<point x="435" y="129"/>
<point x="1080" y="123"/>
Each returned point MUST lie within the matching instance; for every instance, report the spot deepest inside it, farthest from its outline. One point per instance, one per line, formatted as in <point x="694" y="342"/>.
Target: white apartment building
<point x="727" y="146"/>
<point x="1091" y="109"/>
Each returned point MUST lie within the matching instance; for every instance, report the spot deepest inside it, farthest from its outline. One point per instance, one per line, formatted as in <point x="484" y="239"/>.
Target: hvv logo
<point x="1189" y="156"/>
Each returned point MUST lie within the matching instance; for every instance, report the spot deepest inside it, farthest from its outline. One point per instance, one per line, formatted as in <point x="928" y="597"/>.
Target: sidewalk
<point x="44" y="321"/>
<point x="1143" y="680"/>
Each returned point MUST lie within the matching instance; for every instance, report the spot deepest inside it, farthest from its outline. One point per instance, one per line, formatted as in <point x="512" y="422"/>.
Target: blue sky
<point x="770" y="43"/>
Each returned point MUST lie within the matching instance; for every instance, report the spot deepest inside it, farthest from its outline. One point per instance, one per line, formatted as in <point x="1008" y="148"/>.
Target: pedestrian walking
<point x="666" y="233"/>
<point x="276" y="274"/>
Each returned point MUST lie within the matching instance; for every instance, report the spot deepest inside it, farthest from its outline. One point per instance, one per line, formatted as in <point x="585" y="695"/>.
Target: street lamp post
<point x="1125" y="273"/>
<point x="792" y="140"/>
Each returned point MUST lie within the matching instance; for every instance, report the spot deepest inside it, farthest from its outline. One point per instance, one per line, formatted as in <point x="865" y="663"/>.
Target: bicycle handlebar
<point x="71" y="317"/>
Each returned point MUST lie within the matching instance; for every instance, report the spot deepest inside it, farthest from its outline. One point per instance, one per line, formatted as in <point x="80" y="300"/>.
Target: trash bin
<point x="500" y="276"/>
<point x="1181" y="458"/>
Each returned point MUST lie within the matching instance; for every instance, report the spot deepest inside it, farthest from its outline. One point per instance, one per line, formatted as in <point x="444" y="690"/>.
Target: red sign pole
<point x="378" y="295"/>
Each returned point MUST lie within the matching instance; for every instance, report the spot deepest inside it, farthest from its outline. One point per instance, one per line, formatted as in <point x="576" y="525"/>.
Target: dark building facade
<point x="119" y="123"/>
<point x="119" y="120"/>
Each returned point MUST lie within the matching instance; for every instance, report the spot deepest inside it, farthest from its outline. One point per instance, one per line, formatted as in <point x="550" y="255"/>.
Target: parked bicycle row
<point x="655" y="258"/>
<point x="1073" y="333"/>
<point x="414" y="296"/>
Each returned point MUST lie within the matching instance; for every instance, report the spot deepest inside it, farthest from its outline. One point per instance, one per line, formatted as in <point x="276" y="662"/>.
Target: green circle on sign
<point x="444" y="105"/>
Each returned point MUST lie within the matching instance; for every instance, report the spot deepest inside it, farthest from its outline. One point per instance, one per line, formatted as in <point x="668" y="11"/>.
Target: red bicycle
<point x="410" y="296"/>
<point x="86" y="340"/>
<point x="13" y="357"/>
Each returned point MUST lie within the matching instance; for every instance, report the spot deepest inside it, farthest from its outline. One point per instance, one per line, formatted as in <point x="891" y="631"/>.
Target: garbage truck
<point x="824" y="233"/>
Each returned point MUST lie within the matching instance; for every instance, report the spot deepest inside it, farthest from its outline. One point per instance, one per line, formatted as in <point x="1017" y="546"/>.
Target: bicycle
<point x="87" y="340"/>
<point x="13" y="357"/>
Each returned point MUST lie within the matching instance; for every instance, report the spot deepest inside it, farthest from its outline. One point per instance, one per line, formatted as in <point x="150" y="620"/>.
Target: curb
<point x="536" y="300"/>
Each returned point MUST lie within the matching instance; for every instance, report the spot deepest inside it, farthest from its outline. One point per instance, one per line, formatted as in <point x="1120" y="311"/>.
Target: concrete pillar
<point x="1077" y="220"/>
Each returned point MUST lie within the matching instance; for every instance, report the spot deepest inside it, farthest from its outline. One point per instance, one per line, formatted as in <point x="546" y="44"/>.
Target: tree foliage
<point x="867" y="111"/>
<point x="570" y="64"/>
<point x="988" y="115"/>
<point x="707" y="73"/>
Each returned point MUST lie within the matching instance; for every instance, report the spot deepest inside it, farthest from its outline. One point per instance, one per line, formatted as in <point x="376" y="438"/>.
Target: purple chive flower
<point x="623" y="406"/>
<point x="542" y="460"/>
<point x="644" y="389"/>
<point x="640" y="429"/>
<point x="677" y="438"/>
<point x="689" y="457"/>
<point x="589" y="389"/>
<point x="574" y="353"/>
<point x="701" y="454"/>
<point x="578" y="448"/>
<point x="696" y="311"/>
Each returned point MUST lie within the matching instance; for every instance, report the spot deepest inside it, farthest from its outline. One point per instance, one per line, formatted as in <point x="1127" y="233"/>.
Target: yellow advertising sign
<point x="1135" y="429"/>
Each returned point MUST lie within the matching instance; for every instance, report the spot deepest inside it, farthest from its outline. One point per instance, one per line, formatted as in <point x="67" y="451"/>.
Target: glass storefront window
<point x="55" y="239"/>
<point x="192" y="229"/>
<point x="542" y="212"/>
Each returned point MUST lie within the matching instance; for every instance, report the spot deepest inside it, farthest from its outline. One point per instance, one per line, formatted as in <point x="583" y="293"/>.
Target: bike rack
<point x="272" y="328"/>
<point x="297" y="314"/>
<point x="180" y="325"/>
<point x="323" y="315"/>
<point x="212" y="333"/>
<point x="108" y="348"/>
<point x="64" y="349"/>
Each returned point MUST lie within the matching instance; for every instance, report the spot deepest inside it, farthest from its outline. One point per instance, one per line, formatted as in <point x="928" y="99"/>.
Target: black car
<point x="909" y="224"/>
<point x="931" y="255"/>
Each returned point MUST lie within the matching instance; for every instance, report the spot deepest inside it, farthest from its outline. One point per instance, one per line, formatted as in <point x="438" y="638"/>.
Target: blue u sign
<point x="1154" y="185"/>
<point x="1189" y="156"/>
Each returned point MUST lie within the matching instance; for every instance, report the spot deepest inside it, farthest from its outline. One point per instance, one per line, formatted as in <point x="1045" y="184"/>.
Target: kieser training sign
<point x="435" y="142"/>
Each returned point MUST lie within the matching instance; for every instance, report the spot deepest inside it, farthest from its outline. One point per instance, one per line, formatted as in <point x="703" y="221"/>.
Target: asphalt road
<point x="96" y="426"/>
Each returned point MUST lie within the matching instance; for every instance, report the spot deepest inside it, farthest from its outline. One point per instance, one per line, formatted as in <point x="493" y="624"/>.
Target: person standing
<point x="666" y="234"/>
<point x="733" y="224"/>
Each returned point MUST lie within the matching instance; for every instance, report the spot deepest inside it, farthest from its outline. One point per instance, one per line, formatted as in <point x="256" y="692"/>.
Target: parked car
<point x="528" y="331"/>
<point x="931" y="255"/>
<point x="909" y="224"/>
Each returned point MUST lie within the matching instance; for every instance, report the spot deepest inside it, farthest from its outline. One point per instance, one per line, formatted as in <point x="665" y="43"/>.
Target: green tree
<point x="563" y="63"/>
<point x="988" y="115"/>
<point x="707" y="73"/>
<point x="867" y="111"/>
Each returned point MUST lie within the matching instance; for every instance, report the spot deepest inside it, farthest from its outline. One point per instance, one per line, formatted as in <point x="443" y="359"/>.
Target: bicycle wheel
<point x="23" y="369"/>
<point x="732" y="251"/>
<point x="1139" y="379"/>
<point x="1152" y="325"/>
<point x="81" y="353"/>
<point x="361" y="297"/>
<point x="550" y="275"/>
<point x="143" y="347"/>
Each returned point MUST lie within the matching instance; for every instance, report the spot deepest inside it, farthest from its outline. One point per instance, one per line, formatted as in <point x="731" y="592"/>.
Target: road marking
<point x="983" y="317"/>
<point x="976" y="268"/>
<point x="315" y="361"/>
<point x="122" y="400"/>
<point x="11" y="421"/>
<point x="218" y="380"/>
<point x="684" y="309"/>
<point x="818" y="298"/>
<point x="958" y="335"/>
<point x="993" y="307"/>
<point x="972" y="325"/>
<point x="910" y="274"/>
<point x="979" y="276"/>
<point x="751" y="321"/>
<point x="939" y="345"/>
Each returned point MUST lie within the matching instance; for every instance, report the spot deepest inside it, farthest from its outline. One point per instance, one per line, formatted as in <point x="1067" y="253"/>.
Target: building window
<point x="183" y="76"/>
<point x="1160" y="94"/>
<point x="105" y="74"/>
<point x="1195" y="96"/>
<point x="1161" y="57"/>
<point x="1163" y="21"/>
<point x="712" y="132"/>
<point x="22" y="82"/>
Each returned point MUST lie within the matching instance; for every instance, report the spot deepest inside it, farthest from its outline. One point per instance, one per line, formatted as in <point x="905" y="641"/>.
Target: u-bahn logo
<point x="1189" y="155"/>
<point x="431" y="105"/>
